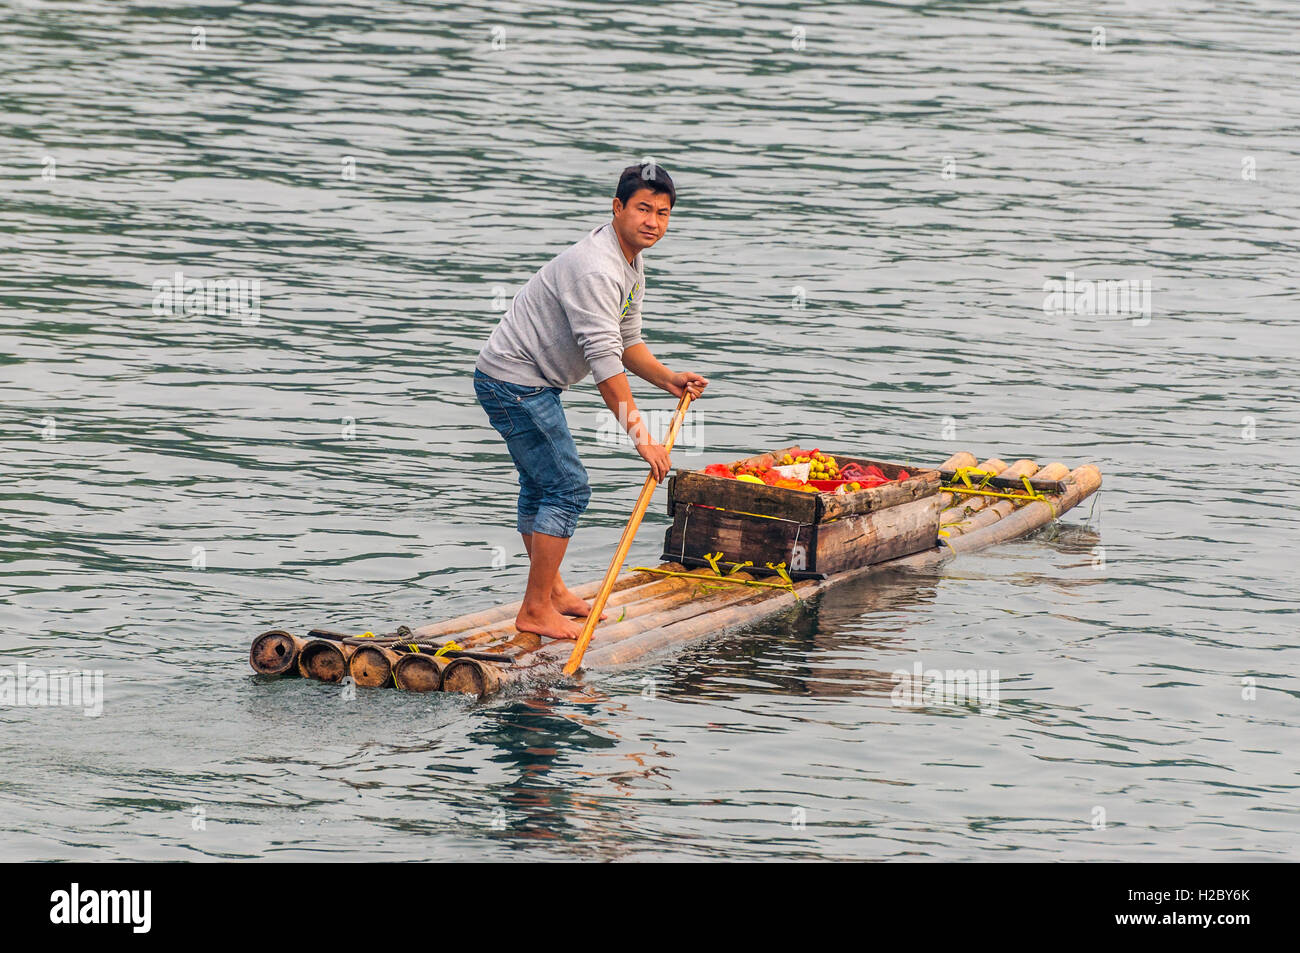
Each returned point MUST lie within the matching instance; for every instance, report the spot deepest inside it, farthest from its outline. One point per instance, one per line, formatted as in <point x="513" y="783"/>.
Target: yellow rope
<point x="964" y="474"/>
<point x="696" y="575"/>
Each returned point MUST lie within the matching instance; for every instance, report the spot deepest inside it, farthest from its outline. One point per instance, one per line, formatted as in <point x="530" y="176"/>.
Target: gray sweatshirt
<point x="575" y="317"/>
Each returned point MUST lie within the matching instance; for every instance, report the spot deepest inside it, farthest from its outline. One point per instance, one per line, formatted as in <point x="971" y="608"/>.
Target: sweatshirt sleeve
<point x="631" y="323"/>
<point x="592" y="305"/>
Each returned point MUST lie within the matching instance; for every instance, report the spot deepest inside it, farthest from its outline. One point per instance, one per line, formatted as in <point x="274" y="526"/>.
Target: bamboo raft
<point x="482" y="652"/>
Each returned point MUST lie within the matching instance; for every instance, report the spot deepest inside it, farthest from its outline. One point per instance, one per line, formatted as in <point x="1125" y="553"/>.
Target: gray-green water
<point x="918" y="170"/>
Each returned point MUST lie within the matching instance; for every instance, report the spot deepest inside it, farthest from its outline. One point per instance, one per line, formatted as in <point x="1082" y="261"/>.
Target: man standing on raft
<point x="580" y="314"/>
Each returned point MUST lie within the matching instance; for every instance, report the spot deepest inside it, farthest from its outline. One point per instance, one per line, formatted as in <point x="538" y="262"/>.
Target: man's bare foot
<point x="567" y="603"/>
<point x="547" y="622"/>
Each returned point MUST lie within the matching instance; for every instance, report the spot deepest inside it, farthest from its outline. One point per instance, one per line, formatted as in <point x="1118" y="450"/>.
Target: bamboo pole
<point x="275" y="653"/>
<point x="624" y="544"/>
<point x="371" y="666"/>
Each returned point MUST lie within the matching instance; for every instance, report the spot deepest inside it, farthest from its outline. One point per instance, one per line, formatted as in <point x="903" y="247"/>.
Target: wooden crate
<point x="814" y="534"/>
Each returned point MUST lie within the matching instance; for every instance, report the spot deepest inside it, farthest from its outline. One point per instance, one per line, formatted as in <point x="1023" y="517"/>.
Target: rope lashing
<point x="966" y="488"/>
<point x="719" y="576"/>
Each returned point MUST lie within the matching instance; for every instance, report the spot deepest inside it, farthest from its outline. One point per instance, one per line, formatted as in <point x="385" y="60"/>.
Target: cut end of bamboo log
<point x="322" y="660"/>
<point x="963" y="458"/>
<point x="471" y="677"/>
<point x="371" y="666"/>
<point x="274" y="653"/>
<point x="417" y="672"/>
<point x="1088" y="477"/>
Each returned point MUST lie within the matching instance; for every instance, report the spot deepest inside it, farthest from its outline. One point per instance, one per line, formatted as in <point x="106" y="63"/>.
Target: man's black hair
<point x="646" y="175"/>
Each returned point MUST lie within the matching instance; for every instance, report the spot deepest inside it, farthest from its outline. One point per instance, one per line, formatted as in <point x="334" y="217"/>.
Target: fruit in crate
<point x="869" y="476"/>
<point x="824" y="466"/>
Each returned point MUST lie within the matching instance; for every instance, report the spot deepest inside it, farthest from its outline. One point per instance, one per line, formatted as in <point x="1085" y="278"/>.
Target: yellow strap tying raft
<point x="787" y="583"/>
<point x="413" y="647"/>
<point x="449" y="646"/>
<point x="966" y="488"/>
<point x="365" y="635"/>
<point x="965" y="473"/>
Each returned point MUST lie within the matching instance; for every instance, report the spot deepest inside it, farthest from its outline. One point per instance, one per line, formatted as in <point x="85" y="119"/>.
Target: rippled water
<point x="913" y="175"/>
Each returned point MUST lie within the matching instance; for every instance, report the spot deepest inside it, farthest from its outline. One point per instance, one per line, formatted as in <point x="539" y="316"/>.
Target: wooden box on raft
<point x="814" y="534"/>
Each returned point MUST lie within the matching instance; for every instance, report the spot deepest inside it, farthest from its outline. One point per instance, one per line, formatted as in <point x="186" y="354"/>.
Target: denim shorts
<point x="553" y="488"/>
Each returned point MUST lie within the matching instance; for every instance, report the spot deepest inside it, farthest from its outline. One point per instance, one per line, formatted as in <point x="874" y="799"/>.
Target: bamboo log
<point x="371" y="666"/>
<point x="275" y="653"/>
<point x="699" y="607"/>
<point x="493" y="622"/>
<point x="687" y="609"/>
<point x="999" y="508"/>
<point x="664" y="592"/>
<point x="962" y="458"/>
<point x="955" y="462"/>
<point x="469" y="676"/>
<point x="419" y="672"/>
<point x="973" y="504"/>
<point x="324" y="660"/>
<point x="1082" y="483"/>
<point x="955" y="501"/>
<point x="750" y="608"/>
<point x="506" y="613"/>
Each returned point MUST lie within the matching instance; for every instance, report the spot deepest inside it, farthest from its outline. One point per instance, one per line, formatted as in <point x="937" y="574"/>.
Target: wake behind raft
<point x="766" y="536"/>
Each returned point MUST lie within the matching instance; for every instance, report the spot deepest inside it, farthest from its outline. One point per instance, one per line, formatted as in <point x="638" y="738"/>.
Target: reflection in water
<point x="810" y="651"/>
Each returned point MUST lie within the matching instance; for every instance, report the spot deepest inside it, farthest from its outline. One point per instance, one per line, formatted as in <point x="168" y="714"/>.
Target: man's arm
<point x="618" y="398"/>
<point x="643" y="364"/>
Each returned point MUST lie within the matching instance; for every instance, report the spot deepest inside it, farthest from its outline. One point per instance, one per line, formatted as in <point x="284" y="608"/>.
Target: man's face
<point x="644" y="219"/>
